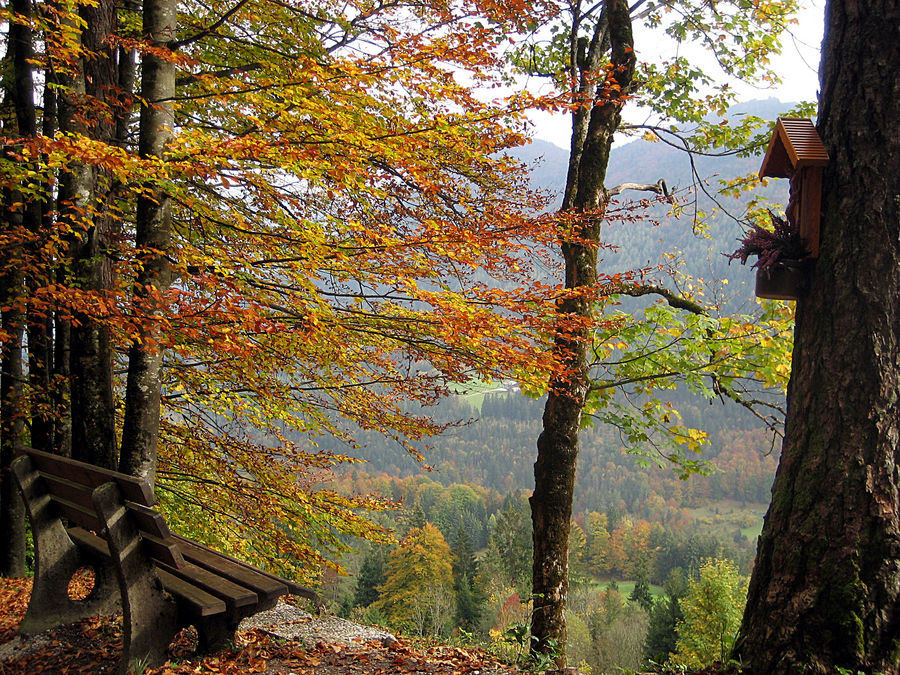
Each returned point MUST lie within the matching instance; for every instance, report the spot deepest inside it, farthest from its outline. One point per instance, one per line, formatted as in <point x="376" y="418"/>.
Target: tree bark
<point x="38" y="324"/>
<point x="154" y="217"/>
<point x="12" y="399"/>
<point x="57" y="327"/>
<point x="84" y="189"/>
<point x="554" y="470"/>
<point x="12" y="426"/>
<point x="25" y="220"/>
<point x="826" y="584"/>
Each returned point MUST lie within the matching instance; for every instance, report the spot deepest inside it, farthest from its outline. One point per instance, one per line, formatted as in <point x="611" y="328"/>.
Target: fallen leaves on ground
<point x="95" y="646"/>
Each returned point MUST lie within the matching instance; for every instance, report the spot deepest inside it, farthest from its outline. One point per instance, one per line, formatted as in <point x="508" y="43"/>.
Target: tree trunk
<point x="554" y="470"/>
<point x="12" y="426"/>
<point x="25" y="220"/>
<point x="826" y="584"/>
<point x="154" y="217"/>
<point x="12" y="403"/>
<point x="60" y="441"/>
<point x="40" y="366"/>
<point x="84" y="189"/>
<point x="38" y="324"/>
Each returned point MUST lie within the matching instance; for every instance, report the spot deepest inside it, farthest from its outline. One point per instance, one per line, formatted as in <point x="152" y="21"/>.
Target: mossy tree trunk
<point x="825" y="589"/>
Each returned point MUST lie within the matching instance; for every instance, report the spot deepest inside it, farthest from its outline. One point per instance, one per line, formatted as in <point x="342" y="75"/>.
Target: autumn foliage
<point x="348" y="237"/>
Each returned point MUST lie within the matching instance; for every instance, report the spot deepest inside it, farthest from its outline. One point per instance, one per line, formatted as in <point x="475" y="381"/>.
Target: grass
<point x="626" y="588"/>
<point x="725" y="517"/>
<point x="473" y="391"/>
<point x="752" y="532"/>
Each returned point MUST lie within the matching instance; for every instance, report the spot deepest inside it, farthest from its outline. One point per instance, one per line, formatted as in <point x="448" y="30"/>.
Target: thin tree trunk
<point x="140" y="432"/>
<point x="39" y="337"/>
<point x="25" y="221"/>
<point x="826" y="584"/>
<point x="60" y="374"/>
<point x="40" y="366"/>
<point x="57" y="327"/>
<point x="62" y="390"/>
<point x="554" y="470"/>
<point x="12" y="399"/>
<point x="12" y="426"/>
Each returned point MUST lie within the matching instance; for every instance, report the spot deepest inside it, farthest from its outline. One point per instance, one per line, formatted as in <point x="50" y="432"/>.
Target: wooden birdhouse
<point x="796" y="152"/>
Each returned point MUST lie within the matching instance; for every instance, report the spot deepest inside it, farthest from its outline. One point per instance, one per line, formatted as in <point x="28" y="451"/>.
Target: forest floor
<point x="94" y="646"/>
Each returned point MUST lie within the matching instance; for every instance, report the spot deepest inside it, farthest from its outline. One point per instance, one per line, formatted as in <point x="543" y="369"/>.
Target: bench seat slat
<point x="198" y="602"/>
<point x="163" y="550"/>
<point x="235" y="596"/>
<point x="265" y="585"/>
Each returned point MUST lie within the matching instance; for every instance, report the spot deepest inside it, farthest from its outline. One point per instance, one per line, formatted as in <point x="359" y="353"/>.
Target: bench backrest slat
<point x="76" y="504"/>
<point x="67" y="490"/>
<point x="163" y="550"/>
<point x="149" y="521"/>
<point x="134" y="489"/>
<point x="70" y="485"/>
<point x="88" y="519"/>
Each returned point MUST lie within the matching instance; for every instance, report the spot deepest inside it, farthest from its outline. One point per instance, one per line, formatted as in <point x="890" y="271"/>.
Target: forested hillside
<point x="494" y="449"/>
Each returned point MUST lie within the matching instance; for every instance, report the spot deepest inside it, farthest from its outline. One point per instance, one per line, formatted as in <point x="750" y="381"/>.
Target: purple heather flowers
<point x="781" y="242"/>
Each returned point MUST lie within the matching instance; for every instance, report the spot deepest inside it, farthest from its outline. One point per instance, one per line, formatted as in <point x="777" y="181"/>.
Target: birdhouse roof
<point x="795" y="144"/>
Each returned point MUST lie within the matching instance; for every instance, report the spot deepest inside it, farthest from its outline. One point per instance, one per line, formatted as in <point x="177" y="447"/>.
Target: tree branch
<point x="658" y="187"/>
<point x="675" y="300"/>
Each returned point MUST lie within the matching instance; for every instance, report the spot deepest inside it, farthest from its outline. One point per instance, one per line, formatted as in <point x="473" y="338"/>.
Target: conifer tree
<point x="641" y="594"/>
<point x="371" y="576"/>
<point x="662" y="637"/>
<point x="470" y="597"/>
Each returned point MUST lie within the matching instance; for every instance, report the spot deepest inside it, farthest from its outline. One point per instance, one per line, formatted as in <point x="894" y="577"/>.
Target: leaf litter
<point x="94" y="646"/>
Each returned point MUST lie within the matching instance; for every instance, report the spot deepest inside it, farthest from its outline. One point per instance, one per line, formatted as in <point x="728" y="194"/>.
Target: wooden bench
<point x="85" y="516"/>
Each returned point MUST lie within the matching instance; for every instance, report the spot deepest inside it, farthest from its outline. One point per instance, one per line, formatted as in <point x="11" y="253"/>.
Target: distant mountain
<point x="640" y="161"/>
<point x="642" y="243"/>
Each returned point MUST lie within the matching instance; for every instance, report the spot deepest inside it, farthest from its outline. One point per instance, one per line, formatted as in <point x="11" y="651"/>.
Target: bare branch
<point x="658" y="187"/>
<point x="675" y="300"/>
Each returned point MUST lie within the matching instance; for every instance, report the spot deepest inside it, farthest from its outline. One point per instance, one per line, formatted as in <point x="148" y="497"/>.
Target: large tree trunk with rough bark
<point x="554" y="470"/>
<point x="154" y="216"/>
<point x="826" y="585"/>
<point x="86" y="190"/>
